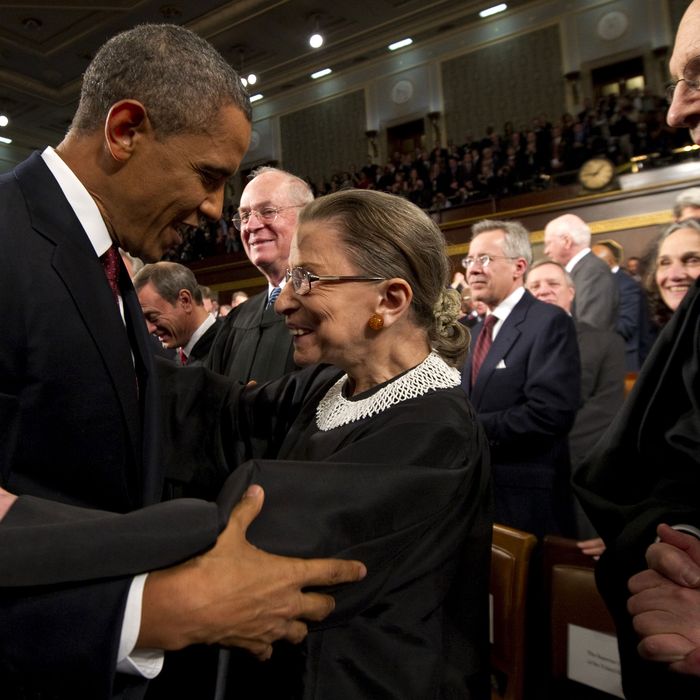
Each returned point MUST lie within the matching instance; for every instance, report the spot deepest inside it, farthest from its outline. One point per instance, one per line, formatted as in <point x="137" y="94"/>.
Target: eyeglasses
<point x="302" y="279"/>
<point x="266" y="215"/>
<point x="483" y="260"/>
<point x="691" y="75"/>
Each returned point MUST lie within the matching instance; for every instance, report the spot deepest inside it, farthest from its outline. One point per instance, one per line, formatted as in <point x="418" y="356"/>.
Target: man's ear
<point x="185" y="298"/>
<point x="126" y="122"/>
<point x="520" y="268"/>
<point x="395" y="301"/>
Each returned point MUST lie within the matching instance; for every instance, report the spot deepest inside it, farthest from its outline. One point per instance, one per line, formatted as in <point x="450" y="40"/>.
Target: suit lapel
<point x="75" y="262"/>
<point x="507" y="336"/>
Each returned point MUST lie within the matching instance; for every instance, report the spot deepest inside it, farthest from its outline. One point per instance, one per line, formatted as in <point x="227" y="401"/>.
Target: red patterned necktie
<point x="183" y="357"/>
<point x="110" y="262"/>
<point x="483" y="345"/>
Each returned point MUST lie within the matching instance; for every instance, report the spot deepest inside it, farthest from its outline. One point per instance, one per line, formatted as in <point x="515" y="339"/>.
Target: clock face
<point x="596" y="173"/>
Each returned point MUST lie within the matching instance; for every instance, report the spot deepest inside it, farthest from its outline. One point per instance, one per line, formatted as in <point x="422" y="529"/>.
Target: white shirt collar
<point x="271" y="286"/>
<point x="570" y="265"/>
<point x="80" y="201"/>
<point x="207" y="323"/>
<point x="502" y="311"/>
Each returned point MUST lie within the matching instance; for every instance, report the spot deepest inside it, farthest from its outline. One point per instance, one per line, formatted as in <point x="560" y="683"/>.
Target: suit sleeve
<point x="597" y="300"/>
<point x="551" y="392"/>
<point x="630" y="305"/>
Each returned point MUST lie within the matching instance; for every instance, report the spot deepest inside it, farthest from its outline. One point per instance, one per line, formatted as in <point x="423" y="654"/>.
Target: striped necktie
<point x="273" y="297"/>
<point x="483" y="345"/>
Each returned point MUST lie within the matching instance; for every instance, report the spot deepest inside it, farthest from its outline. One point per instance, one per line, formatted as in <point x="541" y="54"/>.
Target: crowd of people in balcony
<point x="515" y="160"/>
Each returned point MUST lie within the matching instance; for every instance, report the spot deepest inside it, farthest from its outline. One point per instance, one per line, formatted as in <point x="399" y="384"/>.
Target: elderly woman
<point x="371" y="452"/>
<point x="675" y="267"/>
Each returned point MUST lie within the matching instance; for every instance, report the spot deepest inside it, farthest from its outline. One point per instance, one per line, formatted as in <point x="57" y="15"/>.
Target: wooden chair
<point x="569" y="577"/>
<point x="510" y="561"/>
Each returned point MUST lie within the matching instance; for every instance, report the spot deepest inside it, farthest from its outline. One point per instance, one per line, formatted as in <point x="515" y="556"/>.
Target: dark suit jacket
<point x="597" y="297"/>
<point x="527" y="408"/>
<point x="74" y="424"/>
<point x="632" y="319"/>
<point x="646" y="471"/>
<point x="202" y="347"/>
<point x="602" y="394"/>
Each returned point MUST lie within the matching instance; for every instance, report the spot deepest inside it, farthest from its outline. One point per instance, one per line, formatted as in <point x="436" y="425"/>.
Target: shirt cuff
<point x="143" y="662"/>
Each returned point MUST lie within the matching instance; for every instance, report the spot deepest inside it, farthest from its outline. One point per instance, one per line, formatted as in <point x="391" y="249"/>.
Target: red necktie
<point x="483" y="345"/>
<point x="110" y="262"/>
<point x="183" y="357"/>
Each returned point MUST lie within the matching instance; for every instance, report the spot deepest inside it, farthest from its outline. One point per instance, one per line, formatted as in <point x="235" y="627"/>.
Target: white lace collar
<point x="433" y="373"/>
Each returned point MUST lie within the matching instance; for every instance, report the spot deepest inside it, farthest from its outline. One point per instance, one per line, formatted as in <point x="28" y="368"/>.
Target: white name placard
<point x="593" y="660"/>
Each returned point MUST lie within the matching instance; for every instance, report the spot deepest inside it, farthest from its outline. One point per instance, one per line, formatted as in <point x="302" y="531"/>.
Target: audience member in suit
<point x="254" y="344"/>
<point x="172" y="305"/>
<point x="633" y="321"/>
<point x="527" y="391"/>
<point x="567" y="240"/>
<point x="602" y="371"/>
<point x="647" y="469"/>
<point x="79" y="397"/>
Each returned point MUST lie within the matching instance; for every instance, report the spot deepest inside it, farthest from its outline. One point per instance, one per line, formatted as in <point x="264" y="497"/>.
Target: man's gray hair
<point x="544" y="261"/>
<point x="168" y="278"/>
<point x="517" y="238"/>
<point x="574" y="226"/>
<point x="298" y="190"/>
<point x="687" y="198"/>
<point x="180" y="78"/>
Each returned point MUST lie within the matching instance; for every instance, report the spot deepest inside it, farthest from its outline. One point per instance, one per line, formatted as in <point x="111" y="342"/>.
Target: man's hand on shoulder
<point x="238" y="595"/>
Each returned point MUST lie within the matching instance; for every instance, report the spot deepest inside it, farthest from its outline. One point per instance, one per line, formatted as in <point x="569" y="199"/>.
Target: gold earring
<point x="376" y="322"/>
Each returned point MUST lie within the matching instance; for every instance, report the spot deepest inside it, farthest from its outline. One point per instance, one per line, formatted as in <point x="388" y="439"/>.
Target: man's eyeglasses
<point x="691" y="78"/>
<point x="266" y="215"/>
<point x="302" y="279"/>
<point x="483" y="260"/>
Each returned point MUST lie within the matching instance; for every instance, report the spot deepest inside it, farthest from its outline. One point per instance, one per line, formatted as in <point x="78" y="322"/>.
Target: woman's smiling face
<point x="677" y="265"/>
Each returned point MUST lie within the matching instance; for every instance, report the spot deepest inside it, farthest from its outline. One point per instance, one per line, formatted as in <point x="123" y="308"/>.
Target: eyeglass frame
<point x="692" y="83"/>
<point x="308" y="277"/>
<point x="466" y="265"/>
<point x="239" y="222"/>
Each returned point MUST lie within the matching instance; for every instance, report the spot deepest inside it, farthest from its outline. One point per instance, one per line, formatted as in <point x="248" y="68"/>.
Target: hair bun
<point x="446" y="312"/>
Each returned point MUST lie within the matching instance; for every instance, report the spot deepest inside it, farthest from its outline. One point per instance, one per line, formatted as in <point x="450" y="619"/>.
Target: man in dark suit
<point x="646" y="471"/>
<point x="602" y="371"/>
<point x="633" y="321"/>
<point x="79" y="397"/>
<point x="567" y="240"/>
<point x="254" y="343"/>
<point x="526" y="388"/>
<point x="172" y="305"/>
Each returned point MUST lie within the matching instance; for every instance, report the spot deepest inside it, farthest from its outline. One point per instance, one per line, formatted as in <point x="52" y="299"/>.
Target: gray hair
<point x="168" y="278"/>
<point x="516" y="243"/>
<point x="575" y="226"/>
<point x="687" y="198"/>
<point x="180" y="78"/>
<point x="388" y="236"/>
<point x="544" y="261"/>
<point x="298" y="190"/>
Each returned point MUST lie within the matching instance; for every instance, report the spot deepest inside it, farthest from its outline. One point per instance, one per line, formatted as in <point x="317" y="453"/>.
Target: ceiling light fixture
<point x="502" y="7"/>
<point x="400" y="44"/>
<point x="4" y="139"/>
<point x="252" y="78"/>
<point x="255" y="98"/>
<point x="316" y="39"/>
<point x="4" y="121"/>
<point x="320" y="73"/>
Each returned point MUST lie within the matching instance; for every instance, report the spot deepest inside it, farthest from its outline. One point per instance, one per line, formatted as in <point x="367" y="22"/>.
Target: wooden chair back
<point x="510" y="562"/>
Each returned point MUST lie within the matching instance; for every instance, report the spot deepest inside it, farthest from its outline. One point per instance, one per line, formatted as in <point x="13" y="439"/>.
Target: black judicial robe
<point x="645" y="471"/>
<point x="407" y="491"/>
<point x="252" y="344"/>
